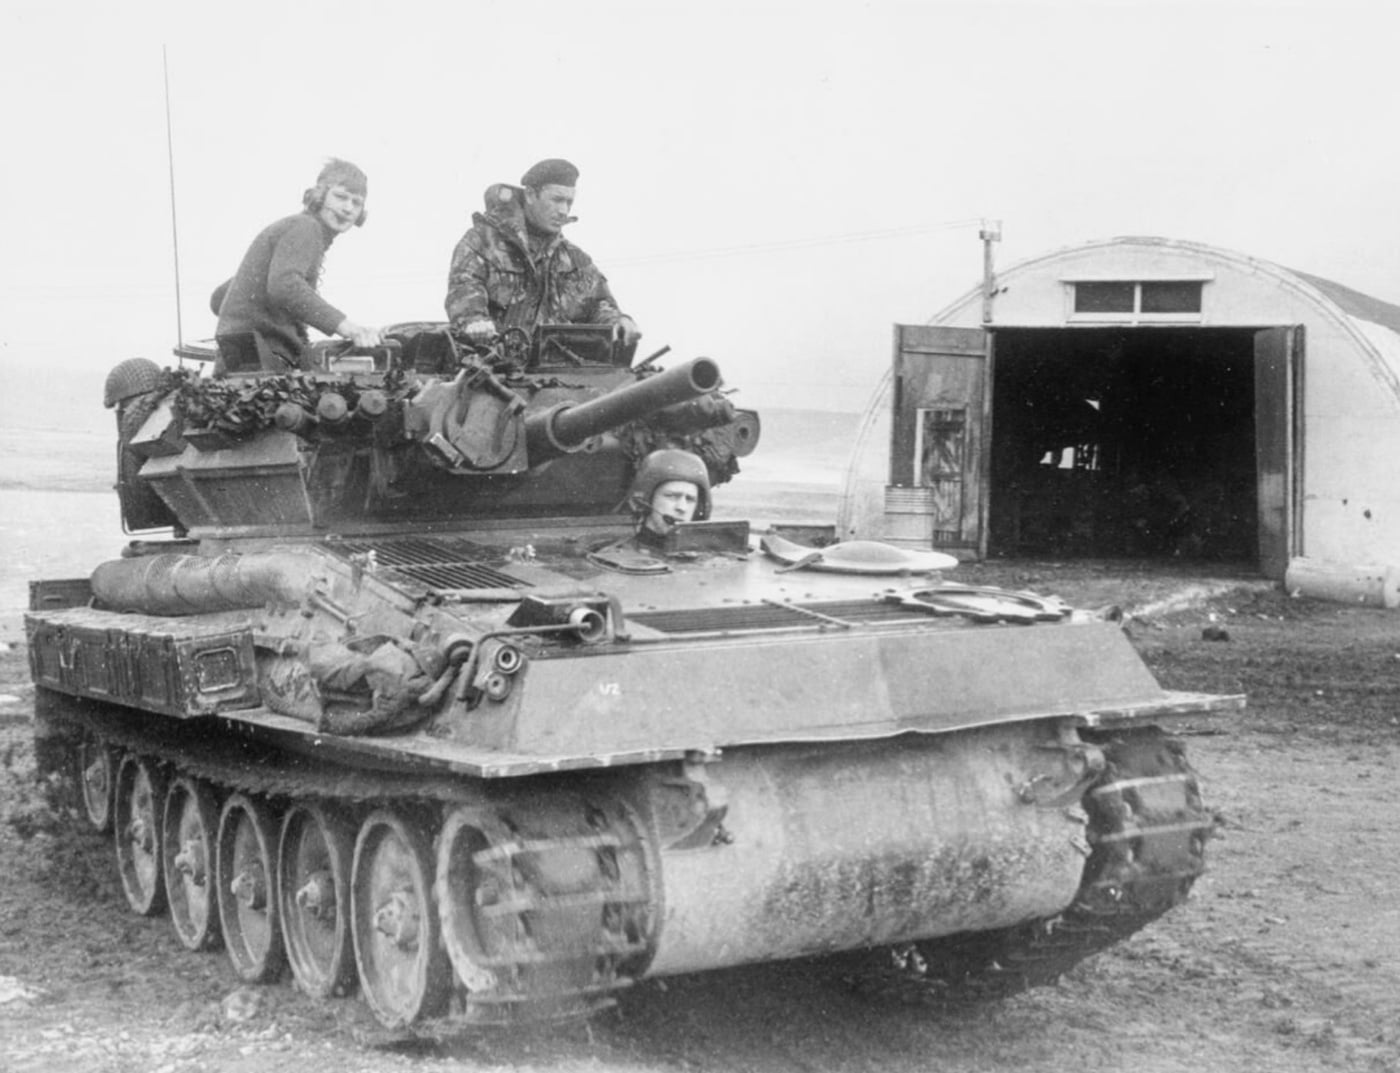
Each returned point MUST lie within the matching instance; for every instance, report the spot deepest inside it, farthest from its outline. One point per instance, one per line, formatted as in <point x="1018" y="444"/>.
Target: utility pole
<point x="989" y="233"/>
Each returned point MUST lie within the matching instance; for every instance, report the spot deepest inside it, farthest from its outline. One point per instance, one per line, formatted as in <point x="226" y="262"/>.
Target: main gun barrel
<point x="563" y="428"/>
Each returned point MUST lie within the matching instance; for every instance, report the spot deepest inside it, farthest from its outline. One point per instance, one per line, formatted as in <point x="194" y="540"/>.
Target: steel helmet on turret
<point x="670" y="464"/>
<point x="129" y="378"/>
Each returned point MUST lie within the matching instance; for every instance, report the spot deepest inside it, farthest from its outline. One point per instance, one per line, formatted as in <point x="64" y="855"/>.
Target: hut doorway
<point x="1151" y="443"/>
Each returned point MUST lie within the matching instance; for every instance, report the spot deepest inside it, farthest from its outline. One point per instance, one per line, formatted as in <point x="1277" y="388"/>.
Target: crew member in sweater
<point x="272" y="297"/>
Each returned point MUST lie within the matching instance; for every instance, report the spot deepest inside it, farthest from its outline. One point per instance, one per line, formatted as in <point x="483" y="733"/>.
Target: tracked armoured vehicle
<point x="402" y="707"/>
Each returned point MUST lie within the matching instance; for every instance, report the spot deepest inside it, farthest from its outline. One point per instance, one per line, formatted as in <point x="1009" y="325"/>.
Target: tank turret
<point x="386" y="443"/>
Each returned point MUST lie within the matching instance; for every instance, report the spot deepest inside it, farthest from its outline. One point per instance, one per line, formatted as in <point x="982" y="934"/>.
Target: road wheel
<point x="96" y="774"/>
<point x="245" y="876"/>
<point x="137" y="802"/>
<point x="190" y="825"/>
<point x="404" y="972"/>
<point x="314" y="857"/>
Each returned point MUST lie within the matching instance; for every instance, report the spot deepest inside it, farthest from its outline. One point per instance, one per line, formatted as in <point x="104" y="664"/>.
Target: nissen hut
<point x="1145" y="398"/>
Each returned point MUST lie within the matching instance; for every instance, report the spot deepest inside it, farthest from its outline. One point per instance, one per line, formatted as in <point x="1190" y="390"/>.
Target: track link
<point x="548" y="910"/>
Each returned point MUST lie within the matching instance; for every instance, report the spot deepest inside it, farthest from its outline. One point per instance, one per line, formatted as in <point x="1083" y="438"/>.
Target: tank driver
<point x="264" y="310"/>
<point x="515" y="269"/>
<point x="671" y="487"/>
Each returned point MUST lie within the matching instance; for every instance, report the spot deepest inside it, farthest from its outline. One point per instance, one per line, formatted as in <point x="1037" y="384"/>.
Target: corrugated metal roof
<point x="1354" y="303"/>
<point x="1375" y="323"/>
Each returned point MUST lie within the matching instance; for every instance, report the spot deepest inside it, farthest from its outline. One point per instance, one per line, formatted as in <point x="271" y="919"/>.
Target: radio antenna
<point x="174" y="227"/>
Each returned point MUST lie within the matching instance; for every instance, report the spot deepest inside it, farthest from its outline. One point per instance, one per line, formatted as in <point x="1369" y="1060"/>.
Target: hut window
<point x="1103" y="297"/>
<point x="1175" y="297"/>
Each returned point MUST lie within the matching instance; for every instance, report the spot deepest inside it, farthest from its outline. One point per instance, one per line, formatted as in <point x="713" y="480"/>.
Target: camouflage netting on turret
<point x="239" y="408"/>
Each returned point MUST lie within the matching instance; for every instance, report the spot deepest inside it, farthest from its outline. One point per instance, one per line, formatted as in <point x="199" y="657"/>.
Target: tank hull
<point x="819" y="798"/>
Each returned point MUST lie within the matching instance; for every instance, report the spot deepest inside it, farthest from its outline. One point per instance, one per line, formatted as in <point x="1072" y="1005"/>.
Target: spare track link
<point x="1147" y="830"/>
<point x="548" y="911"/>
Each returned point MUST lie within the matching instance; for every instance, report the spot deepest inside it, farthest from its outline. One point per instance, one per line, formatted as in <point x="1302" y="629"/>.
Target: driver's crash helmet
<point x="665" y="465"/>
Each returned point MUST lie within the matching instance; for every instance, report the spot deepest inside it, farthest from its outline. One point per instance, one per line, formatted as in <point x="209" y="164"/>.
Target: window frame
<point x="1136" y="316"/>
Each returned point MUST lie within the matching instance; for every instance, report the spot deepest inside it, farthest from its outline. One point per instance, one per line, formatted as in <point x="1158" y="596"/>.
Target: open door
<point x="1278" y="365"/>
<point x="936" y="495"/>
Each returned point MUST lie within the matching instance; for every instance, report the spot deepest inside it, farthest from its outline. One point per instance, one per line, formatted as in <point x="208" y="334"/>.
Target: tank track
<point x="1147" y="830"/>
<point x="560" y="941"/>
<point x="261" y="770"/>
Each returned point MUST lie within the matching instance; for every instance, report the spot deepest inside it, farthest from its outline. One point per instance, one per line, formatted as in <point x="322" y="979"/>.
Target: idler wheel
<point x="136" y="816"/>
<point x="404" y="973"/>
<point x="314" y="857"/>
<point x="245" y="876"/>
<point x="96" y="773"/>
<point x="191" y="823"/>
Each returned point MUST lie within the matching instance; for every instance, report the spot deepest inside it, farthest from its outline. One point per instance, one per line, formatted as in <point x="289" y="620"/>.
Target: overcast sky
<point x="772" y="184"/>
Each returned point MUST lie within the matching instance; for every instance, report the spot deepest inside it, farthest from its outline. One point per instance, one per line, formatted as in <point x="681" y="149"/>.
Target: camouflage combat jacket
<point x="493" y="275"/>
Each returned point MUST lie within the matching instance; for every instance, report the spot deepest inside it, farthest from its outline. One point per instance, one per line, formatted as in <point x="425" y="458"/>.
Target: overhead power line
<point x="412" y="276"/>
<point x="794" y="244"/>
<point x="782" y="245"/>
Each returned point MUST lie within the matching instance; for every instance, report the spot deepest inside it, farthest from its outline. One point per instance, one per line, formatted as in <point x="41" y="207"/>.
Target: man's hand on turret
<point x="359" y="334"/>
<point x="480" y="331"/>
<point x="626" y="331"/>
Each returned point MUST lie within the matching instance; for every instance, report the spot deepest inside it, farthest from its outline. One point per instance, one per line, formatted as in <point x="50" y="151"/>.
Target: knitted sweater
<point x="274" y="290"/>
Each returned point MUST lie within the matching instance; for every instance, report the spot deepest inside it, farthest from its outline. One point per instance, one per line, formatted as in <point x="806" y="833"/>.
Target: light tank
<point x="405" y="707"/>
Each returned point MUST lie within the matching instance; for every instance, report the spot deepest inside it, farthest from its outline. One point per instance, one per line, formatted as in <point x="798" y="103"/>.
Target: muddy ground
<point x="1286" y="958"/>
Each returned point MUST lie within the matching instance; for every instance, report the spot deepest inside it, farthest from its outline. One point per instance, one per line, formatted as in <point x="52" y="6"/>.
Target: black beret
<point x="557" y="172"/>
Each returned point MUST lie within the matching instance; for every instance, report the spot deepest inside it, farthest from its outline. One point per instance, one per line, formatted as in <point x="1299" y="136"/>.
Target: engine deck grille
<point x="433" y="562"/>
<point x="835" y="614"/>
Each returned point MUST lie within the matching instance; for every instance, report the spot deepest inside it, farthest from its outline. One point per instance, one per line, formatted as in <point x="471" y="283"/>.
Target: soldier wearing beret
<point x="515" y="269"/>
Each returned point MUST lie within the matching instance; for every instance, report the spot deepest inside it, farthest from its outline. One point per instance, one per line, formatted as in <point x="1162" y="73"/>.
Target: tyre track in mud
<point x="1305" y="890"/>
